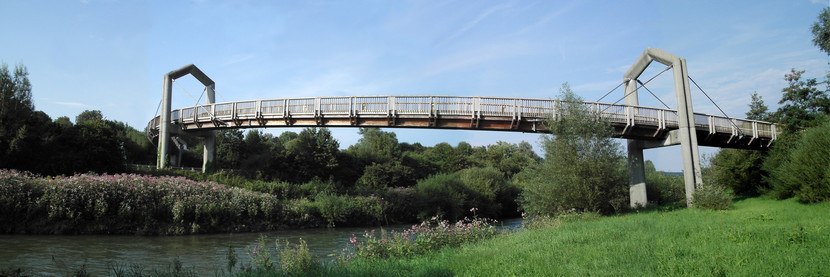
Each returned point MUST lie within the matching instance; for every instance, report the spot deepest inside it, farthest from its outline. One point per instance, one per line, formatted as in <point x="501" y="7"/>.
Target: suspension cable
<point x="635" y="90"/>
<point x="158" y="109"/>
<point x="716" y="105"/>
<point x="615" y="88"/>
<point x="194" y="99"/>
<point x="652" y="94"/>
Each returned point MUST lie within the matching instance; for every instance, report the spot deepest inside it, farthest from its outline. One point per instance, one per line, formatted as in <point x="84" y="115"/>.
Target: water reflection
<point x="58" y="255"/>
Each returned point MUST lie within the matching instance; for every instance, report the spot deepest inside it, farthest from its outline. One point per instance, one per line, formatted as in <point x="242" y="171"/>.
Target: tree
<point x="376" y="146"/>
<point x="15" y="109"/>
<point x="229" y="148"/>
<point x="757" y="109"/>
<point x="821" y="31"/>
<point x="803" y="103"/>
<point x="582" y="168"/>
<point x="314" y="153"/>
<point x="89" y="115"/>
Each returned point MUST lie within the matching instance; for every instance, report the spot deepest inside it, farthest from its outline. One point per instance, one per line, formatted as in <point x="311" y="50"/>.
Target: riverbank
<point x="758" y="236"/>
<point x="145" y="205"/>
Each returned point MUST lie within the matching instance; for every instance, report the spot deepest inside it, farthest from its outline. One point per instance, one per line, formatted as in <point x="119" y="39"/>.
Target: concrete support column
<point x="686" y="123"/>
<point x="209" y="151"/>
<point x="164" y="123"/>
<point x="636" y="166"/>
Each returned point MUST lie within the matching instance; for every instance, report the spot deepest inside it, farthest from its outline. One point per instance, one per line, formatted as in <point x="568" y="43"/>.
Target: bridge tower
<point x="685" y="135"/>
<point x="166" y="129"/>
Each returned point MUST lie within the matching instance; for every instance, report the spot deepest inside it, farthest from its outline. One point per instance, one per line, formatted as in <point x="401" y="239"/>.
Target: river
<point x="204" y="254"/>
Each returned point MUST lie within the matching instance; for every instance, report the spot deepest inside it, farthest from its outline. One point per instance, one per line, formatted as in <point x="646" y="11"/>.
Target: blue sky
<point x="111" y="55"/>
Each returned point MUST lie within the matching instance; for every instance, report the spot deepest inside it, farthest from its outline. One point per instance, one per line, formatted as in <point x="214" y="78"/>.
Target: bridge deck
<point x="453" y="112"/>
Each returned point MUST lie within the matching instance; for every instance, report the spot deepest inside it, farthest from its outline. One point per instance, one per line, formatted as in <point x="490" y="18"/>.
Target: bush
<point x="712" y="197"/>
<point x="489" y="191"/>
<point x="663" y="188"/>
<point x="295" y="259"/>
<point x="739" y="170"/>
<point x="804" y="172"/>
<point x="378" y="177"/>
<point x="419" y="239"/>
<point x="441" y="195"/>
<point x="351" y="210"/>
<point x="403" y="204"/>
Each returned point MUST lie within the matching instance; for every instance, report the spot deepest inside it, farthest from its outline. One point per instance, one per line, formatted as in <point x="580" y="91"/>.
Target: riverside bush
<point x="441" y="195"/>
<point x="137" y="204"/>
<point x="428" y="236"/>
<point x="712" y="197"/>
<point x="490" y="193"/>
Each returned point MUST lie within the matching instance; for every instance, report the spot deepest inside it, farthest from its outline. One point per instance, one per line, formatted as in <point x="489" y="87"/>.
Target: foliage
<point x="739" y="170"/>
<point x="803" y="173"/>
<point x="490" y="192"/>
<point x="136" y="204"/>
<point x="296" y="258"/>
<point x="314" y="153"/>
<point x="582" y="164"/>
<point x="803" y="103"/>
<point x="712" y="197"/>
<point x="449" y="159"/>
<point x="442" y="195"/>
<point x="757" y="109"/>
<point x="379" y="177"/>
<point x="376" y="146"/>
<point x="662" y="188"/>
<point x="509" y="158"/>
<point x="821" y="31"/>
<point x="419" y="239"/>
<point x="89" y="116"/>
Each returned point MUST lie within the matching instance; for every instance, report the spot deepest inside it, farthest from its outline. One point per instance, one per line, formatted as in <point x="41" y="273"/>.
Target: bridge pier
<point x="686" y="133"/>
<point x="636" y="163"/>
<point x="209" y="150"/>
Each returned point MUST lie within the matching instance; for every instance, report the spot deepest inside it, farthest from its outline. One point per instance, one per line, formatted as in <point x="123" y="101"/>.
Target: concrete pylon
<point x="636" y="166"/>
<point x="166" y="128"/>
<point x="209" y="152"/>
<point x="685" y="117"/>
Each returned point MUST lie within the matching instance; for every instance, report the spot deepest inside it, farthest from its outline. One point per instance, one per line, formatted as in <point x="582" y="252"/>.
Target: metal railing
<point x="525" y="109"/>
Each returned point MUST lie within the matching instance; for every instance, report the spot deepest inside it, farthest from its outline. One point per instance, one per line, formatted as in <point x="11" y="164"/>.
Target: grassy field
<point x="756" y="237"/>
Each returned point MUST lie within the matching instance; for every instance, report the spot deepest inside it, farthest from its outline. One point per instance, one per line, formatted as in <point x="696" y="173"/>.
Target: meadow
<point x="758" y="236"/>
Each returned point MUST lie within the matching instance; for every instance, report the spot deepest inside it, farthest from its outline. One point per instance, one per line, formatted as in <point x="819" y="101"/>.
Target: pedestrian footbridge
<point x="643" y="127"/>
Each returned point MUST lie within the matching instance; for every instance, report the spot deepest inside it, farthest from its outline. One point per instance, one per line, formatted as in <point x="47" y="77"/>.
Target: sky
<point x="111" y="55"/>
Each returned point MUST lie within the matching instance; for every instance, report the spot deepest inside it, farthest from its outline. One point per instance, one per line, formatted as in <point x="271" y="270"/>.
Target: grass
<point x="758" y="236"/>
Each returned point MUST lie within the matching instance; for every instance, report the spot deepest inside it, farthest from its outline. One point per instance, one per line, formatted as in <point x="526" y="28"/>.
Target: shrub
<point x="663" y="188"/>
<point x="441" y="195"/>
<point x="295" y="259"/>
<point x="332" y="207"/>
<point x="712" y="197"/>
<point x="804" y="173"/>
<point x="739" y="170"/>
<point x="378" y="177"/>
<point x="488" y="189"/>
<point x="418" y="239"/>
<point x="403" y="206"/>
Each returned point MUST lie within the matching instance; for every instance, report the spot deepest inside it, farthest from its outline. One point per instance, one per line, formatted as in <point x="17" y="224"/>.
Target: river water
<point x="204" y="254"/>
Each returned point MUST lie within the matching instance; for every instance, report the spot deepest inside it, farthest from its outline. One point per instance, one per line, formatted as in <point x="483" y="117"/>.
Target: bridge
<point x="643" y="127"/>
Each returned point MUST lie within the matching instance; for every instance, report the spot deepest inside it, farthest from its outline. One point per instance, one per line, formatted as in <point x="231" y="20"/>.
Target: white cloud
<point x="73" y="104"/>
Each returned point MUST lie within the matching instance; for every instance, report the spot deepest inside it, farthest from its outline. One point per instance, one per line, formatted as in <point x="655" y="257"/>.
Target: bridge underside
<point x="652" y="135"/>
